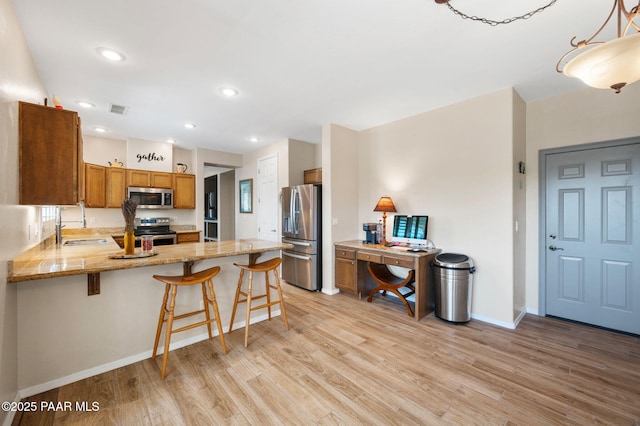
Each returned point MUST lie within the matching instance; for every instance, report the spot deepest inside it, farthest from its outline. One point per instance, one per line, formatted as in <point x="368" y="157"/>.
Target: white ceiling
<point x="298" y="64"/>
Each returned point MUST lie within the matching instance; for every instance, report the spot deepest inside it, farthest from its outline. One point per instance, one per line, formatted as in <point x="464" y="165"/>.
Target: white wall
<point x="519" y="221"/>
<point x="585" y="116"/>
<point x="340" y="195"/>
<point x="19" y="80"/>
<point x="302" y="156"/>
<point x="454" y="164"/>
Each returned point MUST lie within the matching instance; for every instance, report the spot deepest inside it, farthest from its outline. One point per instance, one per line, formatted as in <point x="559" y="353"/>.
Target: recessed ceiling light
<point x="190" y="125"/>
<point x="110" y="54"/>
<point x="254" y="139"/>
<point x="100" y="129"/>
<point x="228" y="91"/>
<point x="171" y="140"/>
<point x="84" y="104"/>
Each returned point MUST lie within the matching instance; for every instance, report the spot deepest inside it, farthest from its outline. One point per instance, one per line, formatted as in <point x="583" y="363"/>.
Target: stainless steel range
<point x="157" y="227"/>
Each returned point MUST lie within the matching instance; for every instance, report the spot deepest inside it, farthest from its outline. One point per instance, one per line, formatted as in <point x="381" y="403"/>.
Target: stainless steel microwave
<point x="151" y="198"/>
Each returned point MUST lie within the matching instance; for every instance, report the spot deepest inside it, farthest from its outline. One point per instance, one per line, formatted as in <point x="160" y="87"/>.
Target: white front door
<point x="593" y="236"/>
<point x="268" y="208"/>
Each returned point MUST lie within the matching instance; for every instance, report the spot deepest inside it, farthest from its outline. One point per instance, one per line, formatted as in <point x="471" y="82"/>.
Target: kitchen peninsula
<point x="67" y="335"/>
<point x="92" y="255"/>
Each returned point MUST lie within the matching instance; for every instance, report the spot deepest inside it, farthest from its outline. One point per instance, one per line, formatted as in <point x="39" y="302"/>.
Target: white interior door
<point x="593" y="236"/>
<point x="267" y="188"/>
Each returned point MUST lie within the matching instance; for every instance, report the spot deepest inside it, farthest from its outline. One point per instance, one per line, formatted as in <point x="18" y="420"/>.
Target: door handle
<point x="554" y="248"/>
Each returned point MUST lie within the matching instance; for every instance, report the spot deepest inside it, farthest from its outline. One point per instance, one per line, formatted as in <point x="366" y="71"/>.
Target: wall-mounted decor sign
<point x="149" y="155"/>
<point x="246" y="196"/>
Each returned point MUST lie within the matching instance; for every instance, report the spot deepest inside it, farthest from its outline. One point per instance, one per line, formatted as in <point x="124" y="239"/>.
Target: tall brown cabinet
<point x="51" y="166"/>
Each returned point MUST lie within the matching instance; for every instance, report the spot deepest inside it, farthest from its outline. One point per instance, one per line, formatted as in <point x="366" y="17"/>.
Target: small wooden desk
<point x="352" y="276"/>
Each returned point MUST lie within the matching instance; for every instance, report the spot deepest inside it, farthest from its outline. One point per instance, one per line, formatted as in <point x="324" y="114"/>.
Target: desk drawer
<point x="369" y="257"/>
<point x="345" y="253"/>
<point x="398" y="261"/>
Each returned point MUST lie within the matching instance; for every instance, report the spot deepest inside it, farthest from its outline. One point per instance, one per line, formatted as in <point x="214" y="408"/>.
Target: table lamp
<point x="385" y="204"/>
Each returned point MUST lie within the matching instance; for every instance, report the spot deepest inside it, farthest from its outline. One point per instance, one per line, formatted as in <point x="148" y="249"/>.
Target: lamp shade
<point x="613" y="64"/>
<point x="385" y="204"/>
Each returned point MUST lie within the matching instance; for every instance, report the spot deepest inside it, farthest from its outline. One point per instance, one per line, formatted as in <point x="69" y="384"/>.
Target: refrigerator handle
<point x="291" y="218"/>
<point x="296" y="256"/>
<point x="294" y="204"/>
<point x="296" y="243"/>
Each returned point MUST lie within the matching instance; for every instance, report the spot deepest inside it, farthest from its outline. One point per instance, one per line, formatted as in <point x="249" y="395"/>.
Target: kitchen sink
<point x="85" y="242"/>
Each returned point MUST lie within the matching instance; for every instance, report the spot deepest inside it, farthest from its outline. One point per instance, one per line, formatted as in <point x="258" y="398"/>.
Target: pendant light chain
<point x="504" y="21"/>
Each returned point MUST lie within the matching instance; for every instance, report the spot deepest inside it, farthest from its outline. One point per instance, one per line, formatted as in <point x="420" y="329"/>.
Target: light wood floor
<point x="346" y="361"/>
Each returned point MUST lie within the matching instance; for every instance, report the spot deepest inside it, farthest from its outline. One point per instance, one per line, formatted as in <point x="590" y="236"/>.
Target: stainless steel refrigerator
<point x="302" y="227"/>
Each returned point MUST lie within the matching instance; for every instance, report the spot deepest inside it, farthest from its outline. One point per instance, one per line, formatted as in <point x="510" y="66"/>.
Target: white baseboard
<point x="520" y="317"/>
<point x="330" y="291"/>
<point x="510" y="325"/>
<point x="11" y="414"/>
<point x="84" y="374"/>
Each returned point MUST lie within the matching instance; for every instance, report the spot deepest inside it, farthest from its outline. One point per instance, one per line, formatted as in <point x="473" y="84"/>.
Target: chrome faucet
<point x="59" y="221"/>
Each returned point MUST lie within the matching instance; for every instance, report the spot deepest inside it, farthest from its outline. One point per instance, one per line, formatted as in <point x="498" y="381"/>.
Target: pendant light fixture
<point x="612" y="64"/>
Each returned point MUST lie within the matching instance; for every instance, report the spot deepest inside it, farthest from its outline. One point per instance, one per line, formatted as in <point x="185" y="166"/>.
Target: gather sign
<point x="149" y="155"/>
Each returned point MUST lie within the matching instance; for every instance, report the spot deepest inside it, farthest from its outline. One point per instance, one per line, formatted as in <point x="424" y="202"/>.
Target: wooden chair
<point x="266" y="266"/>
<point x="389" y="282"/>
<point x="205" y="279"/>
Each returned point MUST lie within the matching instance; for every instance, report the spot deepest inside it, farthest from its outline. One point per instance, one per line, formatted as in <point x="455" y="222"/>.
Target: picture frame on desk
<point x="245" y="194"/>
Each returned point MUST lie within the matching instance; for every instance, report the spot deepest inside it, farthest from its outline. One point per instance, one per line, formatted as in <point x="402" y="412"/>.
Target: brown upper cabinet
<point x="116" y="186"/>
<point x="147" y="179"/>
<point x="313" y="176"/>
<point x="50" y="164"/>
<point x="184" y="191"/>
<point x="161" y="180"/>
<point x="138" y="178"/>
<point x="94" y="186"/>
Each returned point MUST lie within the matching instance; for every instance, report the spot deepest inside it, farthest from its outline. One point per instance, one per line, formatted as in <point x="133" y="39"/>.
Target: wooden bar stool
<point x="389" y="282"/>
<point x="205" y="279"/>
<point x="266" y="266"/>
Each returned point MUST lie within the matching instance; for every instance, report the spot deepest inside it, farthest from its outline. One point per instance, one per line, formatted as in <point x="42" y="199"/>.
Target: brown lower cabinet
<point x="346" y="269"/>
<point x="188" y="237"/>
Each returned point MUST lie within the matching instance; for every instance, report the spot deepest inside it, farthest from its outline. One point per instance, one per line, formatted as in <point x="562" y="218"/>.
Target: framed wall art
<point x="246" y="196"/>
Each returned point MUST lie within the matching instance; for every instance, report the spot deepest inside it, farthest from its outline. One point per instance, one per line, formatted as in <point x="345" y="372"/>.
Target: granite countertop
<point x="51" y="260"/>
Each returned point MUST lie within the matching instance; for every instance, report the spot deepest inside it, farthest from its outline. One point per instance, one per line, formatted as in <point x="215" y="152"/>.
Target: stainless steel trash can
<point x="453" y="281"/>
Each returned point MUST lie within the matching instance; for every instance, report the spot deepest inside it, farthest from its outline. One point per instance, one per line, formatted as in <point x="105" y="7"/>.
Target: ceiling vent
<point x="118" y="109"/>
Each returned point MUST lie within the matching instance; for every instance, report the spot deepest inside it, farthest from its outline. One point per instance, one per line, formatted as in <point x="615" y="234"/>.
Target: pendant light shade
<point x="613" y="64"/>
<point x="610" y="65"/>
